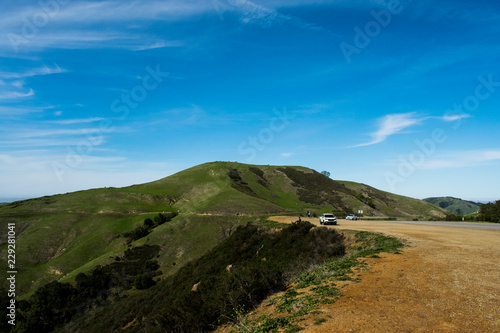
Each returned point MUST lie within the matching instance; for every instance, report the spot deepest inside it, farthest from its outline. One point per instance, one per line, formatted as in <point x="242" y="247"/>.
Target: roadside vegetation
<point x="490" y="212"/>
<point x="308" y="291"/>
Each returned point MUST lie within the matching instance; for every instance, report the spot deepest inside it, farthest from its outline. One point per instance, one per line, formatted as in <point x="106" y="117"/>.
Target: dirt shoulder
<point x="446" y="280"/>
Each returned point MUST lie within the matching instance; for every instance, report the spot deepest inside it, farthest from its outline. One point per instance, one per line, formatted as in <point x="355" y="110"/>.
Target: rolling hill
<point x="455" y="205"/>
<point x="60" y="236"/>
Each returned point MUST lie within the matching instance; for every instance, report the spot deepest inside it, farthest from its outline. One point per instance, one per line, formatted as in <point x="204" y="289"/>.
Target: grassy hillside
<point x="227" y="188"/>
<point x="60" y="236"/>
<point x="455" y="205"/>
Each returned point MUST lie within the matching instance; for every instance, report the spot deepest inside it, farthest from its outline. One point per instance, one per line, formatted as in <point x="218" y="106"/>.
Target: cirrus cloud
<point x="392" y="124"/>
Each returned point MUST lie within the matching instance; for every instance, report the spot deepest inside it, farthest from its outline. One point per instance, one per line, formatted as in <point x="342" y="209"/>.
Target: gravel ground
<point x="446" y="280"/>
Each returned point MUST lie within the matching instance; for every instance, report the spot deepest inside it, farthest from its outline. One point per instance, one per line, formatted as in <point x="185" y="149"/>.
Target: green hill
<point x="230" y="188"/>
<point x="60" y="236"/>
<point x="455" y="205"/>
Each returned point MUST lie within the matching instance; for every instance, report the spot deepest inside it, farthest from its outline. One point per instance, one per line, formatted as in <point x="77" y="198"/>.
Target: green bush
<point x="148" y="223"/>
<point x="238" y="183"/>
<point x="143" y="282"/>
<point x="365" y="200"/>
<point x="490" y="212"/>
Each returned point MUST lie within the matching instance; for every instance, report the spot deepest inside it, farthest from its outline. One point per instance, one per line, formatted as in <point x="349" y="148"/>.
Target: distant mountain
<point x="455" y="205"/>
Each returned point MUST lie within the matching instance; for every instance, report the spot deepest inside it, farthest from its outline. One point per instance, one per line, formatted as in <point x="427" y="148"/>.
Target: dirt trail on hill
<point x="446" y="280"/>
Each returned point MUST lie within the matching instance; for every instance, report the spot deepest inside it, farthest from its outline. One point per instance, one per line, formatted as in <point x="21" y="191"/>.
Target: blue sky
<point x="400" y="95"/>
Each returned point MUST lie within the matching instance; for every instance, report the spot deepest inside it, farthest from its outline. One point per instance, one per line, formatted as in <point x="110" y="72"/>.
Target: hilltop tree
<point x="325" y="173"/>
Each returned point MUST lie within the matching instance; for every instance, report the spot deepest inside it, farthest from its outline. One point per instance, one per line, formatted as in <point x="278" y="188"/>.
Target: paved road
<point x="469" y="225"/>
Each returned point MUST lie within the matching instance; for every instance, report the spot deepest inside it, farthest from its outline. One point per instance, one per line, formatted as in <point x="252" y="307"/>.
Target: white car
<point x="327" y="218"/>
<point x="351" y="217"/>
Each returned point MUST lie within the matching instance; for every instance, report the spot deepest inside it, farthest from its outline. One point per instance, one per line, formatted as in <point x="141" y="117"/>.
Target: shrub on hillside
<point x="316" y="189"/>
<point x="238" y="183"/>
<point x="365" y="200"/>
<point x="148" y="225"/>
<point x="261" y="180"/>
<point x="143" y="282"/>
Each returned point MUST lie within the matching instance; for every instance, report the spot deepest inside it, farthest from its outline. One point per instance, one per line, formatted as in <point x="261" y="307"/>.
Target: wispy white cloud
<point x="264" y="14"/>
<point x="397" y="123"/>
<point x="158" y="45"/>
<point x="20" y="110"/>
<point x="255" y="13"/>
<point x="44" y="70"/>
<point x="87" y="12"/>
<point x="392" y="124"/>
<point x="13" y="85"/>
<point x="76" y="121"/>
<point x="85" y="38"/>
<point x="22" y="143"/>
<point x="57" y="132"/>
<point x="455" y="117"/>
<point x="72" y="26"/>
<point x="249" y="12"/>
<point x="16" y="94"/>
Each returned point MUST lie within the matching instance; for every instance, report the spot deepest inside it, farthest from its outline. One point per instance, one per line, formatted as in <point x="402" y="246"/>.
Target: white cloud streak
<point x="78" y="12"/>
<point x="455" y="117"/>
<point x="396" y="123"/>
<point x="45" y="70"/>
<point x="392" y="124"/>
<point x="72" y="26"/>
<point x="13" y="85"/>
<point x="16" y="94"/>
<point x="76" y="121"/>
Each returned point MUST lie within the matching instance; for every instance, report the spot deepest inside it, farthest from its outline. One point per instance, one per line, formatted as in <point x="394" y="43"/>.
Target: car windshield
<point x="329" y="215"/>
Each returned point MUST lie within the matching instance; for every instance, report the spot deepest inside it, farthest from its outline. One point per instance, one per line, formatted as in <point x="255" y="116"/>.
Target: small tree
<point x="148" y="223"/>
<point x="325" y="173"/>
<point x="143" y="282"/>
